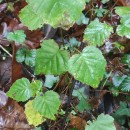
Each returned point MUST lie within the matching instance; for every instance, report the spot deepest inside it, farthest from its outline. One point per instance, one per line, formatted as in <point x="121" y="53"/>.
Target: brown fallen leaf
<point x="95" y="101"/>
<point x="12" y="115"/>
<point x="5" y="73"/>
<point x="77" y="122"/>
<point x="123" y="2"/>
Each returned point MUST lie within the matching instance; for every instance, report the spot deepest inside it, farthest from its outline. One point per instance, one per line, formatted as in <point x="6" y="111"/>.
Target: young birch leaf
<point x="66" y="12"/>
<point x="88" y="67"/>
<point x="122" y="10"/>
<point x="47" y="104"/>
<point x="33" y="117"/>
<point x="30" y="19"/>
<point x="103" y="122"/>
<point x="50" y="59"/>
<point x="20" y="90"/>
<point x="96" y="33"/>
<point x="50" y="80"/>
<point x="124" y="28"/>
<point x="36" y="86"/>
<point x="18" y="36"/>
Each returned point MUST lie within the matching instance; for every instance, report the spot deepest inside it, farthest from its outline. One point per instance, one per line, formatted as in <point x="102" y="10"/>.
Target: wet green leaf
<point x="96" y="33"/>
<point x="88" y="66"/>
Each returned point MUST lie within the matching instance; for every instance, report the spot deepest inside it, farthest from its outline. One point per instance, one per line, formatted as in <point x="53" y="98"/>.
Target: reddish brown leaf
<point x="123" y="2"/>
<point x="94" y="102"/>
<point x="77" y="122"/>
<point x="12" y="116"/>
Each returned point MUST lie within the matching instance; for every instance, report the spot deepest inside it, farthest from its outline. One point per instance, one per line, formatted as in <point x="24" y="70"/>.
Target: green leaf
<point x="125" y="85"/>
<point x="23" y="54"/>
<point x="96" y="33"/>
<point x="117" y="79"/>
<point x="50" y="59"/>
<point x="30" y="19"/>
<point x="122" y="113"/>
<point x="33" y="117"/>
<point x="83" y="105"/>
<point x="103" y="122"/>
<point x="123" y="110"/>
<point x="50" y="80"/>
<point x="36" y="86"/>
<point x="87" y="1"/>
<point x="122" y="10"/>
<point x="20" y="90"/>
<point x="38" y="128"/>
<point x="124" y="28"/>
<point x="88" y="67"/>
<point x="18" y="36"/>
<point x="30" y="57"/>
<point x="79" y="93"/>
<point x="62" y="112"/>
<point x="100" y="12"/>
<point x="126" y="59"/>
<point x="82" y="20"/>
<point x="57" y="13"/>
<point x="104" y="1"/>
<point x="47" y="104"/>
<point x="73" y="42"/>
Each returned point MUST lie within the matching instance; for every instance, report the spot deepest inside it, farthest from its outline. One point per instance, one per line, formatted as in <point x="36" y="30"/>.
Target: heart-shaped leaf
<point x="122" y="10"/>
<point x="50" y="59"/>
<point x="88" y="67"/>
<point x="57" y="13"/>
<point x="20" y="90"/>
<point x="103" y="122"/>
<point x="96" y="33"/>
<point x="124" y="28"/>
<point x="33" y="117"/>
<point x="47" y="104"/>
